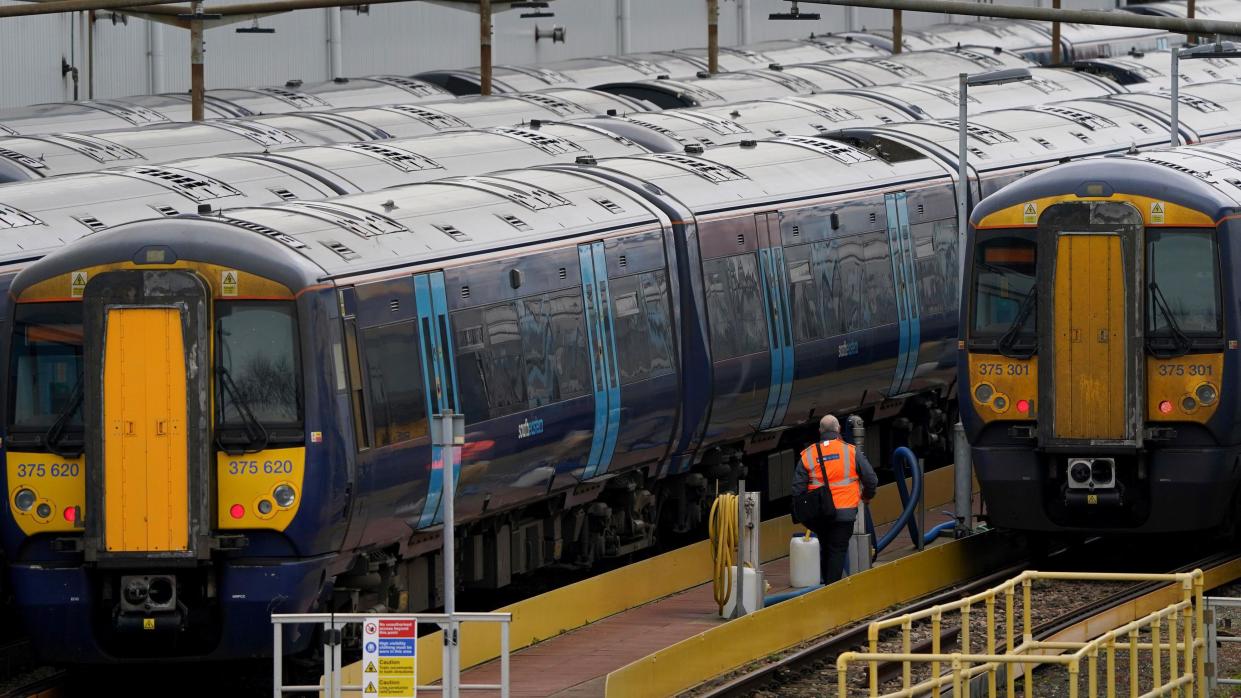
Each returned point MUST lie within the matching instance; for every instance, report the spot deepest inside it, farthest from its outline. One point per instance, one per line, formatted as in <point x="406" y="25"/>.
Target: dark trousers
<point x="833" y="549"/>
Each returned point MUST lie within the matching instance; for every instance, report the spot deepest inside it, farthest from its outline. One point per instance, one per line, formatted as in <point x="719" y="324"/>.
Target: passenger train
<point x="1100" y="332"/>
<point x="623" y="335"/>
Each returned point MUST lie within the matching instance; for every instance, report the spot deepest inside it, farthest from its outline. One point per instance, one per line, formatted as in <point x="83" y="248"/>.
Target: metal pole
<point x="72" y="6"/>
<point x="859" y="541"/>
<point x="484" y="45"/>
<point x="1189" y="14"/>
<point x="898" y="32"/>
<point x="739" y="587"/>
<point x="449" y="440"/>
<point x="622" y="26"/>
<point x="921" y="542"/>
<point x="196" y="63"/>
<point x="713" y="36"/>
<point x="743" y="22"/>
<point x="1043" y="14"/>
<point x="1175" y="79"/>
<point x="336" y="66"/>
<point x="277" y="655"/>
<point x="155" y="39"/>
<point x="962" y="172"/>
<point x="963" y="482"/>
<point x="504" y="630"/>
<point x="1055" y="36"/>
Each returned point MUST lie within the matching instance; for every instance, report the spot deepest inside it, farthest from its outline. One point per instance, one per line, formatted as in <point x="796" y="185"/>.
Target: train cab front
<point x="1093" y="353"/>
<point x="155" y="457"/>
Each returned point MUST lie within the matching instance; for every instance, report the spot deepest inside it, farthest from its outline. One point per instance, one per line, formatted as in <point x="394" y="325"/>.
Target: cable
<point x="723" y="529"/>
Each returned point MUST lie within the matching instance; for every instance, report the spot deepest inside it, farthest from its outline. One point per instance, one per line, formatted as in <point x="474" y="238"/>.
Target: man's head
<point x="829" y="426"/>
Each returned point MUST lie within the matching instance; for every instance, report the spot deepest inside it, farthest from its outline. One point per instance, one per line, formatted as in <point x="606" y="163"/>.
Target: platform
<point x="567" y="641"/>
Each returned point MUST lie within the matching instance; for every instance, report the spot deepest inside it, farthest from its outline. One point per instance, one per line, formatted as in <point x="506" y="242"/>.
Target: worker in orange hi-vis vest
<point x="851" y="480"/>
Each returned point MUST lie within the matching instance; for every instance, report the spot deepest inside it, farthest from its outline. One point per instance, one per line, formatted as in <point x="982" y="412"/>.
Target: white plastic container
<point x="803" y="562"/>
<point x="752" y="591"/>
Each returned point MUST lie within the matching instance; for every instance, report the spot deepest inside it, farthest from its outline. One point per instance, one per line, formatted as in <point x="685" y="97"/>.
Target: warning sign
<point x="77" y="284"/>
<point x="389" y="657"/>
<point x="1156" y="212"/>
<point x="1029" y="214"/>
<point x="228" y="282"/>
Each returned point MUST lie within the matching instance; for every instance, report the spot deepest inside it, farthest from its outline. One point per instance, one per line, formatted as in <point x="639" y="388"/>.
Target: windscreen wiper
<point x="1183" y="342"/>
<point x="256" y="434"/>
<point x="1008" y="340"/>
<point x="56" y="433"/>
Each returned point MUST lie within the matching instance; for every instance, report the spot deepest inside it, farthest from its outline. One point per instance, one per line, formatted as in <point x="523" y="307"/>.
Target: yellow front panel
<point x="247" y="480"/>
<point x="1089" y="330"/>
<point x="1173" y="380"/>
<point x="56" y="481"/>
<point x="1012" y="380"/>
<point x="146" y="487"/>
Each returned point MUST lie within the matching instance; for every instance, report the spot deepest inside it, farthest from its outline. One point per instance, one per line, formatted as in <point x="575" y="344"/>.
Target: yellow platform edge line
<point x="568" y="608"/>
<point x="731" y="645"/>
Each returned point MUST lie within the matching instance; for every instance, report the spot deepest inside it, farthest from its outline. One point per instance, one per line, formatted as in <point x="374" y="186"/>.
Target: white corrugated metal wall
<point x="399" y="38"/>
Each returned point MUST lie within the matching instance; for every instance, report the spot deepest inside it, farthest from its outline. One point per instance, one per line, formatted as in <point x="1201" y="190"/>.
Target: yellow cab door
<point x="1090" y="336"/>
<point x="146" y="475"/>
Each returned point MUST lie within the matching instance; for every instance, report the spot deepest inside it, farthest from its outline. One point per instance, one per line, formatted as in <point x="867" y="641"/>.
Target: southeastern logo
<point x="529" y="427"/>
<point x="846" y="349"/>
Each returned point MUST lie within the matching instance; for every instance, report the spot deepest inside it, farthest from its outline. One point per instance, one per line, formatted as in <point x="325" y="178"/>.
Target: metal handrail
<point x="334" y="622"/>
<point x="1184" y="618"/>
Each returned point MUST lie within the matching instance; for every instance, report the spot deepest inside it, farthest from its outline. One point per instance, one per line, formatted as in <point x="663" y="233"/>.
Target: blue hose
<point x="790" y="594"/>
<point x="904" y="462"/>
<point x="935" y="531"/>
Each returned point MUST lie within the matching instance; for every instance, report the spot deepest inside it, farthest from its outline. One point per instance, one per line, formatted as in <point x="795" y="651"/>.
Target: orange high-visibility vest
<point x="839" y="460"/>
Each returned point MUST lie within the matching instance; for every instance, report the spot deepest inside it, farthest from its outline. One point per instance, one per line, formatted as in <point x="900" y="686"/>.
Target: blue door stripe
<point x="898" y="277"/>
<point x="787" y="353"/>
<point x="445" y="370"/>
<point x="593" y="343"/>
<point x="773" y="337"/>
<point x="435" y="485"/>
<point x="611" y="370"/>
<point x="911" y="299"/>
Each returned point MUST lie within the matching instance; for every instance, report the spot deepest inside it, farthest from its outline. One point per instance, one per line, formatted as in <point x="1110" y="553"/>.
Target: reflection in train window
<point x="46" y="365"/>
<point x="734" y="306"/>
<point x="1183" y="284"/>
<point x="1003" y="283"/>
<point x="395" y="383"/>
<point x="643" y="334"/>
<point x="880" y="293"/>
<point x="518" y="355"/>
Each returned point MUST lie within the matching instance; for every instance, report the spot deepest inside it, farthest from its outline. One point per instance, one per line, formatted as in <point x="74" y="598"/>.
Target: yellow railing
<point x="1183" y="645"/>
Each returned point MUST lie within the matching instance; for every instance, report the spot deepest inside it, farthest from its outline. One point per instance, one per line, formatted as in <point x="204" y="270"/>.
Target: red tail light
<point x="1165" y="407"/>
<point x="71" y="514"/>
<point x="237" y="511"/>
<point x="1023" y="406"/>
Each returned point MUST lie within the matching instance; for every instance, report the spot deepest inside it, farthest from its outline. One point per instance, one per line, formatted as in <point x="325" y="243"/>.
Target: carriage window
<point x="1183" y="291"/>
<point x="395" y="382"/>
<point x="1004" y="287"/>
<point x="554" y="345"/>
<point x="880" y="291"/>
<point x="804" y="303"/>
<point x="46" y="366"/>
<point x="643" y="336"/>
<point x="257" y="363"/>
<point x="734" y="304"/>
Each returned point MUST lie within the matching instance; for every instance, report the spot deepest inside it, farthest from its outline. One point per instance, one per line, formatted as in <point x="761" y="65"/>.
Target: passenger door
<point x="774" y="281"/>
<point x="600" y="336"/>
<point x="904" y="274"/>
<point x="436" y="355"/>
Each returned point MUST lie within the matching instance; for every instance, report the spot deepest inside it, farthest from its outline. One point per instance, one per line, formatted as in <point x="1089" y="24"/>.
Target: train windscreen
<point x="1004" y="289"/>
<point x="46" y="368"/>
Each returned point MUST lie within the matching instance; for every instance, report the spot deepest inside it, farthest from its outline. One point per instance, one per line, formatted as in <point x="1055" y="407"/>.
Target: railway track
<point x="783" y="674"/>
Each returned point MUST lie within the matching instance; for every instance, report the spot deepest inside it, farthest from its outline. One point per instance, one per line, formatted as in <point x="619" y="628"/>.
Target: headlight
<point x="1206" y="393"/>
<point x="284" y="496"/>
<point x="1188" y="403"/>
<point x="983" y="392"/>
<point x="24" y="499"/>
<point x="43" y="511"/>
<point x="264" y="507"/>
<point x="1000" y="403"/>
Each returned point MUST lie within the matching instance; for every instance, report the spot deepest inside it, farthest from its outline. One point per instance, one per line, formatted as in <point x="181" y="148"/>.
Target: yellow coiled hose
<point x="723" y="528"/>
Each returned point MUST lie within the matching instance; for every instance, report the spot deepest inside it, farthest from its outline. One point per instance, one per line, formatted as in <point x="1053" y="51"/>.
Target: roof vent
<point x="514" y="221"/>
<point x="165" y="210"/>
<point x="283" y="194"/>
<point x="436" y="120"/>
<point x="12" y="218"/>
<point x="93" y="147"/>
<point x="360" y="222"/>
<point x="452" y="232"/>
<point x="401" y="159"/>
<point x="257" y="131"/>
<point x="552" y="145"/>
<point x="90" y="222"/>
<point x="264" y="230"/>
<point x="694" y="149"/>
<point x="555" y="104"/>
<point x="710" y="171"/>
<point x="837" y="151"/>
<point x="341" y="249"/>
<point x="608" y="205"/>
<point x="191" y="185"/>
<point x="528" y="195"/>
<point x="301" y="100"/>
<point x="415" y="87"/>
<point x="32" y="163"/>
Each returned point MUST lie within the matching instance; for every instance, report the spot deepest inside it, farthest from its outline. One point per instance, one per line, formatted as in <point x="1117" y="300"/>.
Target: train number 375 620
<point x="1184" y="369"/>
<point x="45" y="469"/>
<point x="253" y="467"/>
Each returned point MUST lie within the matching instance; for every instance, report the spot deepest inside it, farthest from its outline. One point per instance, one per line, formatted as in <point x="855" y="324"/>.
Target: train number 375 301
<point x="1184" y="369"/>
<point x="998" y="369"/>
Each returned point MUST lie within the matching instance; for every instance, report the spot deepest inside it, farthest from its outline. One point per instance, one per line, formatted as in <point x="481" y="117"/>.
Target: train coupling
<point x="148" y="603"/>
